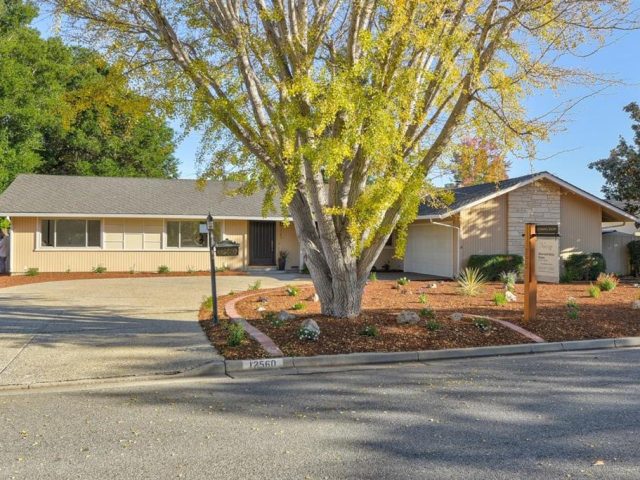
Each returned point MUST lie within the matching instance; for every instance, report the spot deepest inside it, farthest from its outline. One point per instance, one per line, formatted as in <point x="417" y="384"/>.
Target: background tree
<point x="64" y="110"/>
<point x="621" y="170"/>
<point x="478" y="161"/>
<point x="344" y="107"/>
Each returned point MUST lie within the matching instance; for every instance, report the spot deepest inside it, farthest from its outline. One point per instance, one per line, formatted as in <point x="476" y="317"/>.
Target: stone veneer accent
<point x="538" y="202"/>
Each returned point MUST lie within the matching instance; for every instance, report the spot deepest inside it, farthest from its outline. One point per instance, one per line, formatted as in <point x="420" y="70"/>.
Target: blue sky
<point x="591" y="129"/>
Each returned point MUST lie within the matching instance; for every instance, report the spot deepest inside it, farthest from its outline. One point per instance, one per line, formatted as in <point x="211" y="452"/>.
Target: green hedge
<point x="492" y="265"/>
<point x="634" y="255"/>
<point x="584" y="266"/>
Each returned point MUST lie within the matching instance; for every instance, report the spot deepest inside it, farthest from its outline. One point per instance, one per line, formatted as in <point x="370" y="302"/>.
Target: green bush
<point x="403" y="281"/>
<point x="594" y="291"/>
<point x="99" y="269"/>
<point x="492" y="265"/>
<point x="292" y="291"/>
<point x="32" y="272"/>
<point x="298" y="306"/>
<point x="500" y="299"/>
<point x="207" y="302"/>
<point x="433" y="325"/>
<point x="373" y="276"/>
<point x="573" y="310"/>
<point x="255" y="285"/>
<point x="482" y="324"/>
<point x="584" y="266"/>
<point x="370" y="331"/>
<point x="607" y="282"/>
<point x="422" y="298"/>
<point x="235" y="334"/>
<point x="428" y="313"/>
<point x="634" y="255"/>
<point x="163" y="269"/>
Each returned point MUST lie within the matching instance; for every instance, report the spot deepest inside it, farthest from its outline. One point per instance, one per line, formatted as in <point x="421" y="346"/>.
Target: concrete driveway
<point x="104" y="328"/>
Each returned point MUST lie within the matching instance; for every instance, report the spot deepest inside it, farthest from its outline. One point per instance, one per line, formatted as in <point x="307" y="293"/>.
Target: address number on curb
<point x="262" y="363"/>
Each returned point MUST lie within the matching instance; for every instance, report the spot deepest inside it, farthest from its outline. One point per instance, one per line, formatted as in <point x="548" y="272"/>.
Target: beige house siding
<point x="483" y="229"/>
<point x="138" y="244"/>
<point x="580" y="226"/>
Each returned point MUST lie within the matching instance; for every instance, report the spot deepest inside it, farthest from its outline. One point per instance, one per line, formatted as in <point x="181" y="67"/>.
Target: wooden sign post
<point x="530" y="280"/>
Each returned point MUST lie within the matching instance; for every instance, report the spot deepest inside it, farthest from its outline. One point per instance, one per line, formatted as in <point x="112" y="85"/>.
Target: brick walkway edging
<point x="511" y="326"/>
<point x="260" y="337"/>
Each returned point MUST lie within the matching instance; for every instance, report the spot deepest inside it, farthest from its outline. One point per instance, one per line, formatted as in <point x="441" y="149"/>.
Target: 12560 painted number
<point x="262" y="363"/>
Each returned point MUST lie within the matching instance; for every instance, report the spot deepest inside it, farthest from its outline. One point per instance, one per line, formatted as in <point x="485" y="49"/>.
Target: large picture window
<point x="70" y="233"/>
<point x="190" y="234"/>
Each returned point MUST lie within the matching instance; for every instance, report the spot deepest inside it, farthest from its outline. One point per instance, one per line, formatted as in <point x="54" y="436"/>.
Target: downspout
<point x="458" y="243"/>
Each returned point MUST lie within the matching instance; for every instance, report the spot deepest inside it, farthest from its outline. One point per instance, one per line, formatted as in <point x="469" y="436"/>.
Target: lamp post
<point x="212" y="254"/>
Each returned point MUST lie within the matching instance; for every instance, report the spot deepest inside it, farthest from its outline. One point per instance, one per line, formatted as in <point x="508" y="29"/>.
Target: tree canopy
<point x="621" y="169"/>
<point x="346" y="107"/>
<point x="65" y="110"/>
<point x="478" y="161"/>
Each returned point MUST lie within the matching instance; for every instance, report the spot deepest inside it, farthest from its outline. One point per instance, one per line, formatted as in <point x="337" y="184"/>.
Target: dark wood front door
<point x="262" y="243"/>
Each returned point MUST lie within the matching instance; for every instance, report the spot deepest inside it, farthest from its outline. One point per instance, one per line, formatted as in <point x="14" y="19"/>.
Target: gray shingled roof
<point x="53" y="194"/>
<point x="467" y="195"/>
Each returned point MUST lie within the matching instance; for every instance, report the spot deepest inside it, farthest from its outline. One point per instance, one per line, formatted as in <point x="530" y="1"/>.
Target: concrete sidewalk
<point x="105" y="328"/>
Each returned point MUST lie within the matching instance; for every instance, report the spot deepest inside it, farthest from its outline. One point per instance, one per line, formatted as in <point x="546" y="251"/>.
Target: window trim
<point x="86" y="247"/>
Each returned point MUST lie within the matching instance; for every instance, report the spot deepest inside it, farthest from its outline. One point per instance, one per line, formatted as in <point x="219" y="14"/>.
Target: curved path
<point x="104" y="328"/>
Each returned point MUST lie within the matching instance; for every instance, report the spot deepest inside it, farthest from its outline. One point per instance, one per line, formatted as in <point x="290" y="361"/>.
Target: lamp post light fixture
<point x="212" y="254"/>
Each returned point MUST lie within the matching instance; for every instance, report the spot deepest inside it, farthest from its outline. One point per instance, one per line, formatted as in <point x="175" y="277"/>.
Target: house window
<point x="189" y="234"/>
<point x="70" y="233"/>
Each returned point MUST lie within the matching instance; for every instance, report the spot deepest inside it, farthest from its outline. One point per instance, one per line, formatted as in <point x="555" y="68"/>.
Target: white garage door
<point x="429" y="250"/>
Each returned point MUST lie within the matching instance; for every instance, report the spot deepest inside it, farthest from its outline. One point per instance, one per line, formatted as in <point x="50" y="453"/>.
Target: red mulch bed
<point x="610" y="315"/>
<point x="14" y="280"/>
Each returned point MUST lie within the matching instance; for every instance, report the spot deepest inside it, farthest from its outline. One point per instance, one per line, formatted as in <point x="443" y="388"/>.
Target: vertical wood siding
<point x="580" y="225"/>
<point x="287" y="240"/>
<point x="483" y="229"/>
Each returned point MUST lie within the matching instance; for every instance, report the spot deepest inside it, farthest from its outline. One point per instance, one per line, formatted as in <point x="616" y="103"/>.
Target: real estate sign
<point x="548" y="259"/>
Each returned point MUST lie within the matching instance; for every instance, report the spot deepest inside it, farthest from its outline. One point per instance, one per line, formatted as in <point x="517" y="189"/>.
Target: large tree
<point x="64" y="110"/>
<point x="478" y="161"/>
<point x="621" y="170"/>
<point x="345" y="107"/>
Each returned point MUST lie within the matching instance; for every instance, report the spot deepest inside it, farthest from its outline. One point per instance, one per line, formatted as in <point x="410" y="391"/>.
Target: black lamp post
<point x="212" y="254"/>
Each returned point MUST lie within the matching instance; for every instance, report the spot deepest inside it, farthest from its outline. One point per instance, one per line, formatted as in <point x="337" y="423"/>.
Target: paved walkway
<point x="87" y="329"/>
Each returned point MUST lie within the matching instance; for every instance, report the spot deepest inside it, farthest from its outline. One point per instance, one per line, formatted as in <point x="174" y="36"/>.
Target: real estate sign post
<point x="530" y="280"/>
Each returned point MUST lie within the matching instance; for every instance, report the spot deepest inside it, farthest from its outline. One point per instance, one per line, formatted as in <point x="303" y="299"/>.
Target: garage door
<point x="429" y="250"/>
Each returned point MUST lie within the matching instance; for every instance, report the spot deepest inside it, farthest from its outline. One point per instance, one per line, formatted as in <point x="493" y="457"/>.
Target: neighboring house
<point x="62" y="223"/>
<point x="615" y="237"/>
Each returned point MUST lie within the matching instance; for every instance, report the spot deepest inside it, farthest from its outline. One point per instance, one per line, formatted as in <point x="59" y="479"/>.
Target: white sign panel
<point x="262" y="363"/>
<point x="548" y="259"/>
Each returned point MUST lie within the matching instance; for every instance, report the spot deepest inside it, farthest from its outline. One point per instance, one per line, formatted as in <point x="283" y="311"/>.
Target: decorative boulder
<point x="408" y="316"/>
<point x="456" y="317"/>
<point x="636" y="305"/>
<point x="285" y="316"/>
<point x="309" y="330"/>
<point x="313" y="298"/>
<point x="510" y="296"/>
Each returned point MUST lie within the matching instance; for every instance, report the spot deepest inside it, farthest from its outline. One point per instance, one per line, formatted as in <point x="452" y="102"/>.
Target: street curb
<point x="320" y="363"/>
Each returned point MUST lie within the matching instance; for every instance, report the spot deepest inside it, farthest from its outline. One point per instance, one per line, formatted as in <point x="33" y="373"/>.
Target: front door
<point x="262" y="243"/>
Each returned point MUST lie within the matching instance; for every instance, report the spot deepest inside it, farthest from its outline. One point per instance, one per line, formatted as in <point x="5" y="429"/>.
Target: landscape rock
<point x="260" y="309"/>
<point x="313" y="298"/>
<point x="408" y="316"/>
<point x="285" y="316"/>
<point x="433" y="285"/>
<point x="456" y="317"/>
<point x="262" y="300"/>
<point x="636" y="305"/>
<point x="510" y="296"/>
<point x="311" y="329"/>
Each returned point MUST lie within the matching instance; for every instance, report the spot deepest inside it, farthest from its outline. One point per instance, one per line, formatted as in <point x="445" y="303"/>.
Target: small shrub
<point x="567" y="277"/>
<point x="403" y="281"/>
<point x="422" y="298"/>
<point x="428" y="313"/>
<point x="492" y="265"/>
<point x="255" y="285"/>
<point x="207" y="302"/>
<point x="132" y="271"/>
<point x="32" y="271"/>
<point x="573" y="310"/>
<point x="235" y="334"/>
<point x="594" y="291"/>
<point x="273" y="319"/>
<point x="305" y="270"/>
<point x="584" y="266"/>
<point x="500" y="299"/>
<point x="191" y="270"/>
<point x="163" y="269"/>
<point x="298" y="306"/>
<point x="607" y="282"/>
<point x="433" y="325"/>
<point x="292" y="291"/>
<point x="482" y="324"/>
<point x="509" y="279"/>
<point x="305" y="333"/>
<point x="373" y="277"/>
<point x="370" y="331"/>
<point x="471" y="281"/>
<point x="99" y="269"/>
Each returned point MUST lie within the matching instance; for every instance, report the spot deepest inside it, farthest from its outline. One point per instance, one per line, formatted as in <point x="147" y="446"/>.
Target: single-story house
<point x="615" y="237"/>
<point x="66" y="223"/>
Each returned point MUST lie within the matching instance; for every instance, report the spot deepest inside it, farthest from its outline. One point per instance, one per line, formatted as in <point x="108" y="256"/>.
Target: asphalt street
<point x="568" y="415"/>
